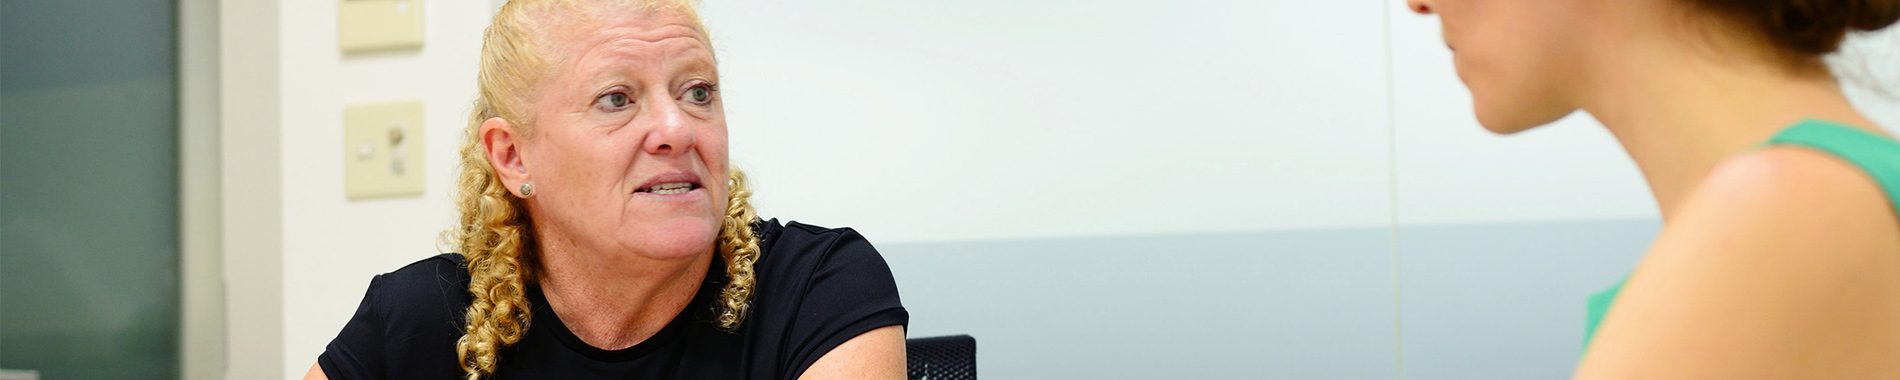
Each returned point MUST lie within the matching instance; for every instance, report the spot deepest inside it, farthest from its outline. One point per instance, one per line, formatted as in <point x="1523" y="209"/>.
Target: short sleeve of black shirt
<point x="822" y="300"/>
<point x="407" y="325"/>
<point x="817" y="288"/>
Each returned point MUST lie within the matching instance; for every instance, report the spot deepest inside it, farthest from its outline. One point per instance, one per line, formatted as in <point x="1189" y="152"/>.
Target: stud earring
<point x="527" y="189"/>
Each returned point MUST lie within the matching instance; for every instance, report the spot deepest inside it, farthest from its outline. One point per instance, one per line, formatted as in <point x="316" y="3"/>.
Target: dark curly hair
<point x="1807" y="28"/>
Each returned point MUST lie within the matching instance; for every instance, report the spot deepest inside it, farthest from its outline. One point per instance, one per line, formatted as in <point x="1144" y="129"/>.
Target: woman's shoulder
<point x="424" y="293"/>
<point x="406" y="326"/>
<point x="445" y="267"/>
<point x="817" y="288"/>
<point x="794" y="248"/>
<point x="802" y="234"/>
<point x="1790" y="193"/>
<point x="1779" y="206"/>
<point x="801" y="262"/>
<point x="427" y="278"/>
<point x="1776" y="240"/>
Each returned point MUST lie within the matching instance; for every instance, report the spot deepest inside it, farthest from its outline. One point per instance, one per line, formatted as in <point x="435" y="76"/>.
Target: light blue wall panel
<point x="1312" y="304"/>
<point x="1506" y="300"/>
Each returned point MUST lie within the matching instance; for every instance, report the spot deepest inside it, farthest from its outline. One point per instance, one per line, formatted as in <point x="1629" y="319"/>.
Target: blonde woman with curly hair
<point x="604" y="236"/>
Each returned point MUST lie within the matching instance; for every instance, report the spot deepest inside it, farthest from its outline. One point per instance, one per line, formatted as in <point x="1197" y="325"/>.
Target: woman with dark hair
<point x="1780" y="251"/>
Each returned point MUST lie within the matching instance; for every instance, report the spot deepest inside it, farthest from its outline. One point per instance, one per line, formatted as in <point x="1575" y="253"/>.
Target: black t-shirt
<point x="817" y="288"/>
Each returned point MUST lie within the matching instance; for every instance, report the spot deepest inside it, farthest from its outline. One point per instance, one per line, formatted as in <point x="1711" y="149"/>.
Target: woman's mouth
<point x="670" y="184"/>
<point x="669" y="188"/>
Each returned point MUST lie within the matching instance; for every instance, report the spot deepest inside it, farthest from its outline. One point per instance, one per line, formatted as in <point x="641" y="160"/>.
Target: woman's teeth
<point x="669" y="188"/>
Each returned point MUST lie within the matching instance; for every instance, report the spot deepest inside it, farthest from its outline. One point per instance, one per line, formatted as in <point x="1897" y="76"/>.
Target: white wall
<point x="1869" y="67"/>
<point x="331" y="246"/>
<point x="1005" y="119"/>
<point x="251" y="188"/>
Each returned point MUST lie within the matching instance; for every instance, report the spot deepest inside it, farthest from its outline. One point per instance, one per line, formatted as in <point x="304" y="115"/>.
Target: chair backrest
<point x="941" y="358"/>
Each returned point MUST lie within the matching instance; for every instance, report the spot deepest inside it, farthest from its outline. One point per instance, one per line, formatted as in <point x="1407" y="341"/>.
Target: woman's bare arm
<point x="316" y="373"/>
<point x="876" y="354"/>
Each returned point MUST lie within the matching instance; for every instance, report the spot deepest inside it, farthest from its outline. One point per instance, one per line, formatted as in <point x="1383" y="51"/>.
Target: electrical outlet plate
<point x="368" y="25"/>
<point x="382" y="150"/>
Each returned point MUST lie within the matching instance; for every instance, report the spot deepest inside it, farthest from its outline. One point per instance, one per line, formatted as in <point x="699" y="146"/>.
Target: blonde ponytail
<point x="739" y="246"/>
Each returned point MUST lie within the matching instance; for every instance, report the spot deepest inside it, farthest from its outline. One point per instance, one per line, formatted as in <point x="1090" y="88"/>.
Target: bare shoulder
<point x="1793" y="179"/>
<point x="1785" y="263"/>
<point x="1789" y="203"/>
<point x="1790" y="196"/>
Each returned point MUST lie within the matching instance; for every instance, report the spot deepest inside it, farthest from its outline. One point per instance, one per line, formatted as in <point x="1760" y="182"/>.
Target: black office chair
<point x="941" y="358"/>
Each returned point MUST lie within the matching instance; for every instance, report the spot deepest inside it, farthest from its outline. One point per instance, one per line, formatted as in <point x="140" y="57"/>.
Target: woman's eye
<point x="699" y="94"/>
<point x="614" y="101"/>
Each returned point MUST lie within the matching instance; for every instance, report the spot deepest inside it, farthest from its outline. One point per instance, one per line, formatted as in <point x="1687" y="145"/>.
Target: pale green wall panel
<point x="88" y="189"/>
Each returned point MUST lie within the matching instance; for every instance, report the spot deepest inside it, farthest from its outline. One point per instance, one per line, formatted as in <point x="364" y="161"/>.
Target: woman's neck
<point x="616" y="300"/>
<point x="1680" y="109"/>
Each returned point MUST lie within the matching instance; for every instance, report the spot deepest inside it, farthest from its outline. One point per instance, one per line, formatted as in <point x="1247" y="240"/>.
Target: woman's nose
<point x="672" y="131"/>
<point x="1423" y="7"/>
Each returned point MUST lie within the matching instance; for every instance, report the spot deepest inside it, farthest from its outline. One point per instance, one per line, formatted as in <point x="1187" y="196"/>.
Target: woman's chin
<point x="674" y="240"/>
<point x="1507" y="111"/>
<point x="1502" y="128"/>
<point x="1508" y="120"/>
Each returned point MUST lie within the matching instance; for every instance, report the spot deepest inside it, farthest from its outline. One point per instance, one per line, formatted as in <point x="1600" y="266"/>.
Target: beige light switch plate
<point x="382" y="150"/>
<point x="366" y="25"/>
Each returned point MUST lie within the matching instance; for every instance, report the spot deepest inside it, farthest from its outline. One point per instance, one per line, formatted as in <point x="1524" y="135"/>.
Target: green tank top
<point x="1875" y="154"/>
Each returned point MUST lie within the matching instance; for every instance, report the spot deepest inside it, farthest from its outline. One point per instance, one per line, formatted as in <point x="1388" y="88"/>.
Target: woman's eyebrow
<point x="691" y="60"/>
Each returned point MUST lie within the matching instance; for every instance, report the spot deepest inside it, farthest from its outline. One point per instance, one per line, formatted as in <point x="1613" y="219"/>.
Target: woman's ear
<point x="503" y="145"/>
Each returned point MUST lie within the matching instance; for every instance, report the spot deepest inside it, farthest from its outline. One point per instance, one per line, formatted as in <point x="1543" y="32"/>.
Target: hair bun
<point x="1810" y="27"/>
<point x="1872" y="15"/>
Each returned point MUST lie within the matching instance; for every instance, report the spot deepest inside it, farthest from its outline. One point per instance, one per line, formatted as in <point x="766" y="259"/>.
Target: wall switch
<point x="382" y="150"/>
<point x="366" y="25"/>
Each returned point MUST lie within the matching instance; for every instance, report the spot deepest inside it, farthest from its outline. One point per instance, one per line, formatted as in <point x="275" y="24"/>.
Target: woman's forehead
<point x="622" y="26"/>
<point x="655" y="37"/>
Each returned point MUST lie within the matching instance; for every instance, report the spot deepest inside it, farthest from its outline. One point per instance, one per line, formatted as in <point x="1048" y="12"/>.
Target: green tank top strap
<point x="1877" y="155"/>
<point x="1874" y="154"/>
<point x="1598" y="306"/>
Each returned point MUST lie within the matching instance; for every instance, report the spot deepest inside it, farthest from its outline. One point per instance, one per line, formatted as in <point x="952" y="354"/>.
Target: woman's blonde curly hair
<point x="493" y="232"/>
